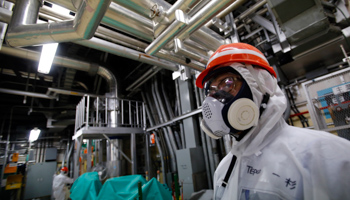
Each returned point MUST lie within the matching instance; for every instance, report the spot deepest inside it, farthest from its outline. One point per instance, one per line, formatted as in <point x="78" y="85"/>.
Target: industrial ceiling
<point x="116" y="46"/>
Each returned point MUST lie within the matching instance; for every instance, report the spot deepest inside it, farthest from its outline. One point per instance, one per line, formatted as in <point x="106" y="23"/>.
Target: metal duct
<point x="129" y="22"/>
<point x="143" y="7"/>
<point x="174" y="29"/>
<point x="118" y="50"/>
<point x="201" y="17"/>
<point x="23" y="93"/>
<point x="5" y="15"/>
<point x="24" y="32"/>
<point x="66" y="62"/>
<point x="250" y="10"/>
<point x="229" y="9"/>
<point x="169" y="16"/>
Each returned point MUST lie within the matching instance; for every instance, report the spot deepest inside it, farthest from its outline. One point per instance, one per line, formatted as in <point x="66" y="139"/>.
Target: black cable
<point x="302" y="117"/>
<point x="293" y="107"/>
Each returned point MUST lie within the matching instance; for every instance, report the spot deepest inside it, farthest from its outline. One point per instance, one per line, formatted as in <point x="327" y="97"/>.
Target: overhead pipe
<point x="179" y="48"/>
<point x="198" y="7"/>
<point x="101" y="31"/>
<point x="118" y="50"/>
<point x="206" y="37"/>
<point x="180" y="22"/>
<point x="116" y="17"/>
<point x="118" y="38"/>
<point x="121" y="51"/>
<point x="23" y="30"/>
<point x="67" y="62"/>
<point x="143" y="7"/>
<point x="168" y="16"/>
<point x="226" y="11"/>
<point x="260" y="12"/>
<point x="129" y="22"/>
<point x="23" y="93"/>
<point x="200" y="18"/>
<point x="5" y="15"/>
<point x="250" y="10"/>
<point x="145" y="77"/>
<point x="174" y="58"/>
<point x="187" y="26"/>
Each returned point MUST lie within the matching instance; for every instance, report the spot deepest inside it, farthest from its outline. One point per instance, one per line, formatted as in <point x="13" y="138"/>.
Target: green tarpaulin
<point x="86" y="187"/>
<point x="126" y="188"/>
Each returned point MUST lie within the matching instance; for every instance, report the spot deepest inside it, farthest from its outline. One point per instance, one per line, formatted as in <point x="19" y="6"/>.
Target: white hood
<point x="260" y="81"/>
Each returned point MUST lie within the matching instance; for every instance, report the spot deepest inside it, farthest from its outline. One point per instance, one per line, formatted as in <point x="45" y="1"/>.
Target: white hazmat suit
<point x="278" y="161"/>
<point x="59" y="187"/>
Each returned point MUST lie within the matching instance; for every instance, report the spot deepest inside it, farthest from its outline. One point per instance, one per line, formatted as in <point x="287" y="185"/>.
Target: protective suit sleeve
<point x="328" y="162"/>
<point x="68" y="180"/>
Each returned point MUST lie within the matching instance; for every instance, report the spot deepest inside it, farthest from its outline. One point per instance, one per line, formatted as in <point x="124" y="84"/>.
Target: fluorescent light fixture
<point x="34" y="134"/>
<point x="60" y="9"/>
<point x="46" y="58"/>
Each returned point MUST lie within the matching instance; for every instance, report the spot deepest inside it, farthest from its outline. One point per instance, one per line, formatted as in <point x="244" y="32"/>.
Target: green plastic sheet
<point x="123" y="187"/>
<point x="126" y="188"/>
<point x="86" y="187"/>
<point x="153" y="190"/>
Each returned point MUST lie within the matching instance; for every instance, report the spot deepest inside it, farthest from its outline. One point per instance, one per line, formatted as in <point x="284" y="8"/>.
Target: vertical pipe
<point x="137" y="113"/>
<point x="87" y="111"/>
<point x="69" y="155"/>
<point x="169" y="144"/>
<point x="205" y="151"/>
<point x="100" y="150"/>
<point x="6" y="148"/>
<point x="65" y="154"/>
<point x="78" y="142"/>
<point x="76" y="118"/>
<point x="106" y="111"/>
<point x="178" y="97"/>
<point x="83" y="111"/>
<point x="108" y="149"/>
<point x="144" y="115"/>
<point x="147" y="156"/>
<point x="130" y="120"/>
<point x="168" y="106"/>
<point x="122" y="111"/>
<point x="88" y="155"/>
<point x="97" y="109"/>
<point x="162" y="109"/>
<point x="27" y="12"/>
<point x="133" y="153"/>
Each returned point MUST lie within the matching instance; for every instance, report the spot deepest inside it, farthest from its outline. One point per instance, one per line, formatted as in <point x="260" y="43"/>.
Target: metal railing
<point x="109" y="112"/>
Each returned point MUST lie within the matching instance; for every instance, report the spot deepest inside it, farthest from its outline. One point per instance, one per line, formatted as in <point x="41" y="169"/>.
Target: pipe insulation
<point x="23" y="30"/>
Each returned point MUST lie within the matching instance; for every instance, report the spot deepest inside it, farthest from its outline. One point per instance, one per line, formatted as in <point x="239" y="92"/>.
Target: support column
<point x="190" y="160"/>
<point x="133" y="153"/>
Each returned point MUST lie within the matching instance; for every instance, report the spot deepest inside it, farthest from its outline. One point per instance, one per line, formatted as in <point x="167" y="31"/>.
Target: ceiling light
<point x="60" y="9"/>
<point x="46" y="58"/>
<point x="34" y="134"/>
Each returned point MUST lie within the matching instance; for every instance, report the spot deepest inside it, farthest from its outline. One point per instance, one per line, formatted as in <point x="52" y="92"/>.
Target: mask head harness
<point x="224" y="113"/>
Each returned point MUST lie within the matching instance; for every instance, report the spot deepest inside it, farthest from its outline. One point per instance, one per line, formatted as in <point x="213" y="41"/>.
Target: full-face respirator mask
<point x="225" y="113"/>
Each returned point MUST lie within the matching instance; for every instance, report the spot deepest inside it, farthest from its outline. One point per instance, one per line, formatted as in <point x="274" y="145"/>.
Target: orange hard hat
<point x="232" y="53"/>
<point x="64" y="169"/>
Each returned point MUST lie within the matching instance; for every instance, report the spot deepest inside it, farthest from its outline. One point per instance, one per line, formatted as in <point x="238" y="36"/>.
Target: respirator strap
<point x="263" y="104"/>
<point x="229" y="171"/>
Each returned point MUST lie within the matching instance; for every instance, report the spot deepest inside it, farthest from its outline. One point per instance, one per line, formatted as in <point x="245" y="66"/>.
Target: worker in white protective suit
<point x="59" y="185"/>
<point x="269" y="159"/>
